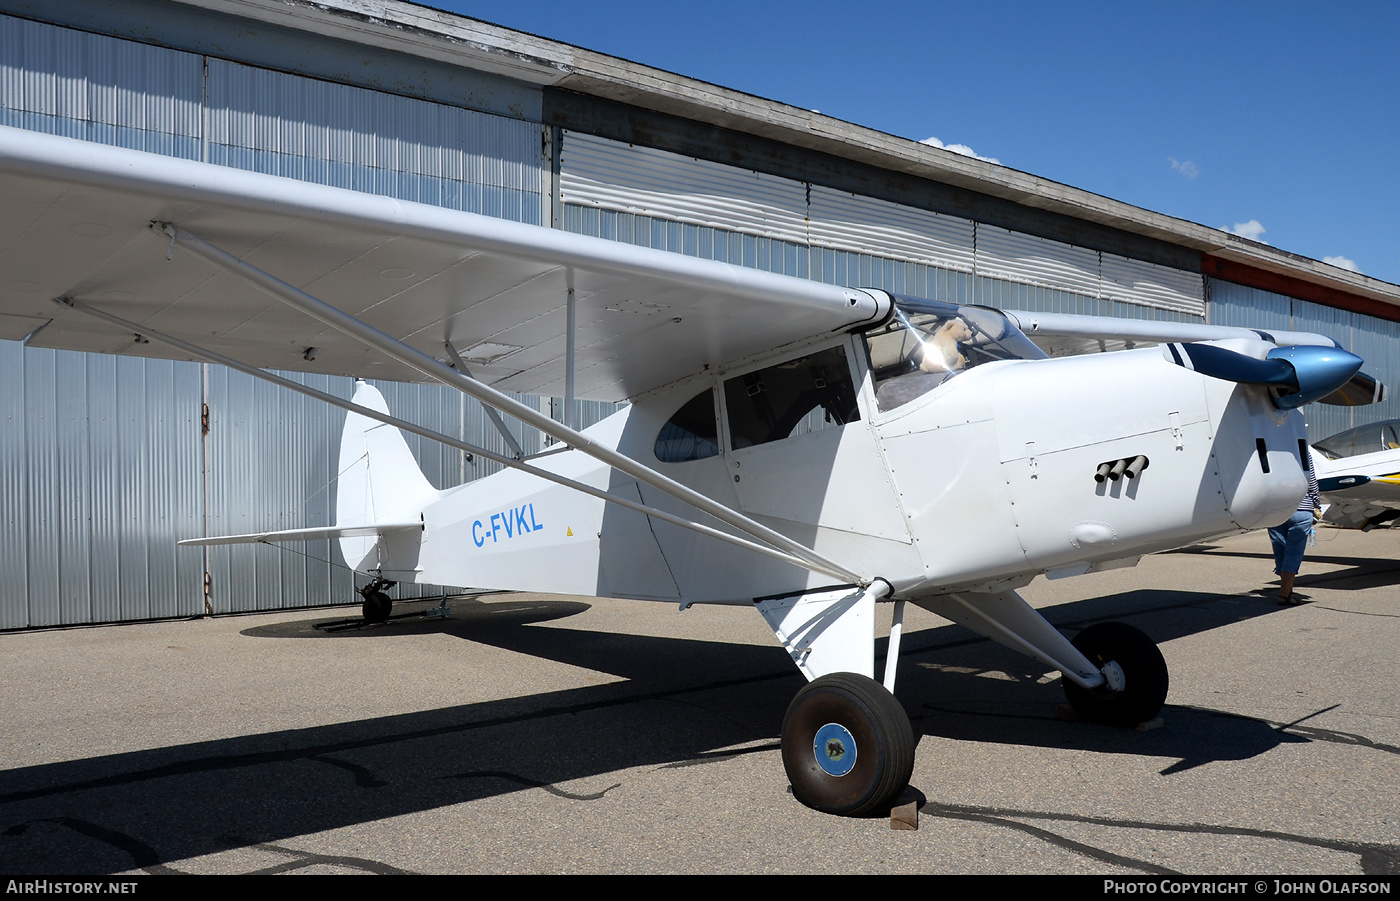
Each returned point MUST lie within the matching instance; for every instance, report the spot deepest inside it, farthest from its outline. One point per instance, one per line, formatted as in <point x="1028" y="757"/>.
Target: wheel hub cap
<point x="835" y="749"/>
<point x="1113" y="676"/>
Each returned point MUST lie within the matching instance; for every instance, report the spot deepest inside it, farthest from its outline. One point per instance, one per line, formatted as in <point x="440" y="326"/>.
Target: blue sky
<point x="1280" y="120"/>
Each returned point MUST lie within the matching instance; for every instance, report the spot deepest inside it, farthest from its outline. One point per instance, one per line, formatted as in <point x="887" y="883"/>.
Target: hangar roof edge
<point x="459" y="40"/>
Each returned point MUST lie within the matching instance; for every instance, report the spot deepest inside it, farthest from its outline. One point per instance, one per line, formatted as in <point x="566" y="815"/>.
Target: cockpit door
<point x="799" y="449"/>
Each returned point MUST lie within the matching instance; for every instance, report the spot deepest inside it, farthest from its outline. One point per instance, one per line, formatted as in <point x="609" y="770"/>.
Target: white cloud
<point x="1251" y="230"/>
<point x="1186" y="168"/>
<point x="1341" y="263"/>
<point x="960" y="148"/>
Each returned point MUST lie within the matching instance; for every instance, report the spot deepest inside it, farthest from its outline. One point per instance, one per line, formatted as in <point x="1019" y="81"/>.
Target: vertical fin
<point x="379" y="480"/>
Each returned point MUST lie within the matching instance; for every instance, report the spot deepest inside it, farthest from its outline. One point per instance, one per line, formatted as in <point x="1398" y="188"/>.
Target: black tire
<point x="376" y="607"/>
<point x="1144" y="675"/>
<point x="868" y="719"/>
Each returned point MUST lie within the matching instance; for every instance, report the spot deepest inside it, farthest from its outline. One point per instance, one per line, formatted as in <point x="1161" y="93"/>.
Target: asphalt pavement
<point x="538" y="734"/>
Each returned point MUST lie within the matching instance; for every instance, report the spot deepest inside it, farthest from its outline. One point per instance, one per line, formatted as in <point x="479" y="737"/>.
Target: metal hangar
<point x="105" y="461"/>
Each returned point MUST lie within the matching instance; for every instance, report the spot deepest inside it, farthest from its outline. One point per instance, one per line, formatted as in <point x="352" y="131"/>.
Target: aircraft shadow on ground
<point x="681" y="700"/>
<point x="1360" y="574"/>
<point x="980" y="691"/>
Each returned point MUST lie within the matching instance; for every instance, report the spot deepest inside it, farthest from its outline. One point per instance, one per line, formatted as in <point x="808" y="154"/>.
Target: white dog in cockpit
<point x="936" y="357"/>
<point x="940" y="352"/>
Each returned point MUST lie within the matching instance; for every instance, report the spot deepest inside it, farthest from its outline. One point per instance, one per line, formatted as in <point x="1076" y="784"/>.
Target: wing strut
<point x="433" y="368"/>
<point x="1006" y="619"/>
<point x="491" y="412"/>
<point x="388" y="419"/>
<point x="570" y="417"/>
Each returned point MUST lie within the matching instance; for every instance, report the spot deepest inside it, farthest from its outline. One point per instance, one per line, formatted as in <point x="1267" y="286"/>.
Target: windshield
<point x="928" y="342"/>
<point x="1367" y="439"/>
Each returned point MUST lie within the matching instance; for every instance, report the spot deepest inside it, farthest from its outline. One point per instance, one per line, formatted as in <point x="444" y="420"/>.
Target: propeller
<point x="1362" y="389"/>
<point x="1301" y="373"/>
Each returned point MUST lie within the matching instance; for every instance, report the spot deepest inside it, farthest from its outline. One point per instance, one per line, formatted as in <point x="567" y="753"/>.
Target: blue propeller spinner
<point x="1303" y="373"/>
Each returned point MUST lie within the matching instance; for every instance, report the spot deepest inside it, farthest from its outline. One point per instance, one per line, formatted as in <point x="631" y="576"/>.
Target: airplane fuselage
<point x="978" y="485"/>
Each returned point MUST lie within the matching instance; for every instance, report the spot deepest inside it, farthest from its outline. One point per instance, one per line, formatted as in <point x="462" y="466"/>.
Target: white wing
<point x="1065" y="334"/>
<point x="77" y="224"/>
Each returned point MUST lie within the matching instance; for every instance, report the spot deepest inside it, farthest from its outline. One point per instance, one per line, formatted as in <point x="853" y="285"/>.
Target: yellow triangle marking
<point x="570" y="533"/>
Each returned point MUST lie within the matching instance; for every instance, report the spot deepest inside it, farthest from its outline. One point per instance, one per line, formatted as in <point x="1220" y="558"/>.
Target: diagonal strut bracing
<point x="435" y="369"/>
<point x="491" y="412"/>
<point x="405" y="425"/>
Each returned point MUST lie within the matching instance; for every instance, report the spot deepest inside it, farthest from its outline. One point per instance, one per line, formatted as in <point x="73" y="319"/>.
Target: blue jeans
<point x="1290" y="540"/>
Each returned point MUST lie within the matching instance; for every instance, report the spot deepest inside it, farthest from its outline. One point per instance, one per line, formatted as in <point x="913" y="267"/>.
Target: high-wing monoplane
<point x="1358" y="471"/>
<point x="808" y="449"/>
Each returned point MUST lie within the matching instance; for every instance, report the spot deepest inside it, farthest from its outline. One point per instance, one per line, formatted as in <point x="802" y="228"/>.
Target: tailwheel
<point x="377" y="605"/>
<point x="848" y="747"/>
<point x="1136" y="671"/>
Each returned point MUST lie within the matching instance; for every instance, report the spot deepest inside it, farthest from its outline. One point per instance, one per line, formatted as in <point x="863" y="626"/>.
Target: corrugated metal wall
<point x="374" y="142"/>
<point x="663" y="200"/>
<point x="104" y="471"/>
<point x="101" y="476"/>
<point x="104" y="465"/>
<point x="1377" y="341"/>
<point x="687" y="204"/>
<point x="96" y="88"/>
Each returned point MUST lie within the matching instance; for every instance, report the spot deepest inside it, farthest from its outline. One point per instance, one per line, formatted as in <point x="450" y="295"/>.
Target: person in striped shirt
<point x="1290" y="539"/>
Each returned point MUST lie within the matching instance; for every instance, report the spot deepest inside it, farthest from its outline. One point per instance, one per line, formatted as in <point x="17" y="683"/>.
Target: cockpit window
<point x="1366" y="439"/>
<point x="928" y="342"/>
<point x="791" y="399"/>
<point x="691" y="434"/>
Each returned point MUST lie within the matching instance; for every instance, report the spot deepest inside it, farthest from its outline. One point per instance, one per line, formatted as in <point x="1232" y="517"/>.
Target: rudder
<point x="379" y="481"/>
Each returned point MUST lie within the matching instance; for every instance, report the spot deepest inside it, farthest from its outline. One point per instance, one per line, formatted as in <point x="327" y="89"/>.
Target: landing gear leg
<point x="1135" y="673"/>
<point x="377" y="605"/>
<point x="848" y="747"/>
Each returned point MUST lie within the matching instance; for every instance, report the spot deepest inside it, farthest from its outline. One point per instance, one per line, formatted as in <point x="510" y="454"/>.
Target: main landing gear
<point x="377" y="605"/>
<point x="1135" y="671"/>
<point x="848" y="747"/>
<point x="847" y="744"/>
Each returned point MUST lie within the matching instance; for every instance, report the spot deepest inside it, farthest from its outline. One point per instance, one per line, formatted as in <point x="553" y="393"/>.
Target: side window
<point x="690" y="434"/>
<point x="791" y="399"/>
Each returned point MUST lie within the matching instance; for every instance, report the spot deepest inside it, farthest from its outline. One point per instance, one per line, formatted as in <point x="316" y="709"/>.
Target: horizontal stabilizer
<point x="290" y="535"/>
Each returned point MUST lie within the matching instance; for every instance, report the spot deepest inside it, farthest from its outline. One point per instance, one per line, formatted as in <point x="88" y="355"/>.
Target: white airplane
<point x="1358" y="471"/>
<point x="808" y="449"/>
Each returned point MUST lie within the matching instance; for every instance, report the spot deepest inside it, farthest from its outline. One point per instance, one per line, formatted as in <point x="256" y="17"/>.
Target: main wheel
<point x="848" y="747"/>
<point x="376" y="607"/>
<point x="1144" y="688"/>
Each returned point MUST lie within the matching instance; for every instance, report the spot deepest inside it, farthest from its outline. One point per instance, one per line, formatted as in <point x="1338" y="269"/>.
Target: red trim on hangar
<point x="1253" y="277"/>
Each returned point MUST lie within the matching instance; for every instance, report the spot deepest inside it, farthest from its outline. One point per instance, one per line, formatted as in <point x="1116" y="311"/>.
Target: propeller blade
<point x="1302" y="373"/>
<point x="1232" y="366"/>
<point x="1362" y="389"/>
